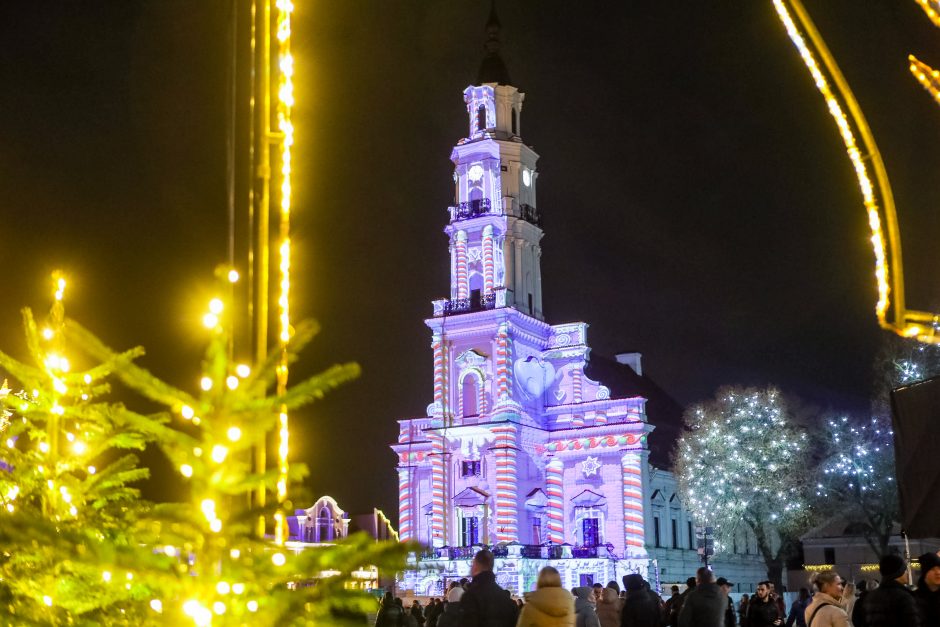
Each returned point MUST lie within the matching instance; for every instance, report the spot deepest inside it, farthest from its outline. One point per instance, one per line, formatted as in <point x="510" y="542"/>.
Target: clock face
<point x="475" y="172"/>
<point x="526" y="178"/>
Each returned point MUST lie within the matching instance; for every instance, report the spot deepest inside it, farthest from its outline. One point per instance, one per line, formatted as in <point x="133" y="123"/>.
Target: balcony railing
<point x="530" y="214"/>
<point x="470" y="209"/>
<point x="482" y="302"/>
<point x="531" y="551"/>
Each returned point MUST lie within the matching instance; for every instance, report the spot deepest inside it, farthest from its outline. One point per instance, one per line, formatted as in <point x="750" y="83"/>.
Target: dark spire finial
<point x="492" y="69"/>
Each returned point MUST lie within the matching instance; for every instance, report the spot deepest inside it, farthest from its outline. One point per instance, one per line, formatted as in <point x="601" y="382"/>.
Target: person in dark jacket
<point x="450" y="616"/>
<point x="731" y="617"/>
<point x="797" y="615"/>
<point x="928" y="590"/>
<point x="639" y="608"/>
<point x="673" y="605"/>
<point x="391" y="613"/>
<point x="706" y="604"/>
<point x="891" y="604"/>
<point x="762" y="610"/>
<point x="485" y="604"/>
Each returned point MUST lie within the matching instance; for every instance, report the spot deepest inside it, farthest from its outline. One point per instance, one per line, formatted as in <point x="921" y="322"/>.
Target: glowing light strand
<point x="285" y="103"/>
<point x="855" y="155"/>
<point x="932" y="9"/>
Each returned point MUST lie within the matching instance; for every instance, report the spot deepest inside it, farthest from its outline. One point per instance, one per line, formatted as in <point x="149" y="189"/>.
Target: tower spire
<point x="492" y="69"/>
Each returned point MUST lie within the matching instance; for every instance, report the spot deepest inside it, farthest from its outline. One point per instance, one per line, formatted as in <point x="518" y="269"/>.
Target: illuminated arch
<point x="877" y="195"/>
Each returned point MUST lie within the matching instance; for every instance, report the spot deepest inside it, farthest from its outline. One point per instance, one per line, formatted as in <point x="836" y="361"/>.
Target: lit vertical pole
<point x="285" y="102"/>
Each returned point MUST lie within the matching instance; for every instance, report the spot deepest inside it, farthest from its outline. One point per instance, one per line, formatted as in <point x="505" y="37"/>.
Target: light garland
<point x="855" y="155"/>
<point x="932" y="9"/>
<point x="928" y="77"/>
<point x="285" y="103"/>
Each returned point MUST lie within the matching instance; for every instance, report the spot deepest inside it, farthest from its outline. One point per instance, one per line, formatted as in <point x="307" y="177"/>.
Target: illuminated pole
<point x="281" y="140"/>
<point x="835" y="90"/>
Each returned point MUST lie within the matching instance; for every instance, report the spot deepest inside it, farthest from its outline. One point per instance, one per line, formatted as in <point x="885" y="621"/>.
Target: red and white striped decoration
<point x="556" y="506"/>
<point x="438" y="496"/>
<point x="502" y="362"/>
<point x="405" y="514"/>
<point x="507" y="529"/>
<point x="488" y="265"/>
<point x="437" y="347"/>
<point x="633" y="523"/>
<point x="463" y="283"/>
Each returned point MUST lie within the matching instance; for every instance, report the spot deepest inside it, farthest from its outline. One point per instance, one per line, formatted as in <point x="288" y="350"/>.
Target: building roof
<point x="662" y="411"/>
<point x="492" y="68"/>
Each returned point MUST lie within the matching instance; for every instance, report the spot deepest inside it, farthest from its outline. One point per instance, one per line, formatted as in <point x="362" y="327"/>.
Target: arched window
<point x="515" y="121"/>
<point x="469" y="393"/>
<point x="481" y="118"/>
<point x="324" y="526"/>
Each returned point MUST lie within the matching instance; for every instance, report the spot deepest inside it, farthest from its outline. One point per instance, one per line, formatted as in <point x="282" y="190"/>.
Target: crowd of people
<point x="706" y="602"/>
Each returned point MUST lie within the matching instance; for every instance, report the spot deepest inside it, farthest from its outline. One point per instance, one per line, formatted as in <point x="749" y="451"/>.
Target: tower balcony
<point x="530" y="214"/>
<point x="478" y="302"/>
<point x="470" y="209"/>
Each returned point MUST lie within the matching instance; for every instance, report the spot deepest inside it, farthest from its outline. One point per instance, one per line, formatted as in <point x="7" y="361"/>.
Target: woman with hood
<point x="826" y="609"/>
<point x="584" y="612"/>
<point x="550" y="605"/>
<point x="609" y="606"/>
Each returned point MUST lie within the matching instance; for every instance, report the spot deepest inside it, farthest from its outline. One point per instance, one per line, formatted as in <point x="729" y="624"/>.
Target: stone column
<point x="634" y="533"/>
<point x="488" y="278"/>
<point x="463" y="281"/>
<point x="507" y="515"/>
<point x="554" y="490"/>
<point x="406" y="519"/>
<point x="438" y="491"/>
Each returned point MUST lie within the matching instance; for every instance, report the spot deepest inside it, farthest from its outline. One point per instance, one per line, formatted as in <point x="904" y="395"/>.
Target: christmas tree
<point x="83" y="547"/>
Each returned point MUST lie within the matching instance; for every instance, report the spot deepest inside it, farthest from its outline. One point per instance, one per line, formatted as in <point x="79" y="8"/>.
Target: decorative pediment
<point x="470" y="359"/>
<point x="471" y="497"/>
<point x="658" y="497"/>
<point x="589" y="498"/>
<point x="536" y="500"/>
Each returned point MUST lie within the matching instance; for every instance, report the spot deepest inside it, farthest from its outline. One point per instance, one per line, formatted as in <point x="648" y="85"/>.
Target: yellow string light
<point x="285" y="103"/>
<point x="932" y="9"/>
<point x="928" y="77"/>
<point x="855" y="155"/>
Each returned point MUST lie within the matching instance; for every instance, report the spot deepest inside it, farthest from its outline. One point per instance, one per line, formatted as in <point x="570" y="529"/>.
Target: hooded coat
<point x="704" y="607"/>
<point x="585" y="616"/>
<point x="640" y="610"/>
<point x="609" y="607"/>
<point x="548" y="607"/>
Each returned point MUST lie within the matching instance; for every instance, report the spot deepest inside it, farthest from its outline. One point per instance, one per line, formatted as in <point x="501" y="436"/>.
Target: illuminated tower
<point x="519" y="449"/>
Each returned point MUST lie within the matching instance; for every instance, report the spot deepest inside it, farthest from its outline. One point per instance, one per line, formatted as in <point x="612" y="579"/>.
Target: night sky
<point x="697" y="201"/>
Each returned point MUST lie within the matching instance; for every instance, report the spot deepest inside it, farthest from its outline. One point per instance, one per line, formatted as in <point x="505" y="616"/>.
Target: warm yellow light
<point x="47" y="600"/>
<point x="278" y="559"/>
<point x="208" y="508"/>
<point x="59" y="286"/>
<point x="73" y="510"/>
<point x="235" y="554"/>
<point x="210" y="321"/>
<point x="233" y="276"/>
<point x="170" y="550"/>
<point x="215" y="525"/>
<point x="87" y="379"/>
<point x="190" y="607"/>
<point x="156" y="605"/>
<point x="232" y="382"/>
<point x="11" y="442"/>
<point x="234" y="434"/>
<point x="252" y="606"/>
<point x="216" y="306"/>
<point x="238" y="588"/>
<point x="79" y="447"/>
<point x="69" y="436"/>
<point x="59" y="386"/>
<point x="223" y="587"/>
<point x="243" y="370"/>
<point x="186" y="470"/>
<point x="43" y="447"/>
<point x="218" y="453"/>
<point x="187" y="412"/>
<point x="855" y="155"/>
<point x="47" y="333"/>
<point x="197" y="452"/>
<point x="205" y="383"/>
<point x="106" y="575"/>
<point x="218" y="607"/>
<point x="92" y="470"/>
